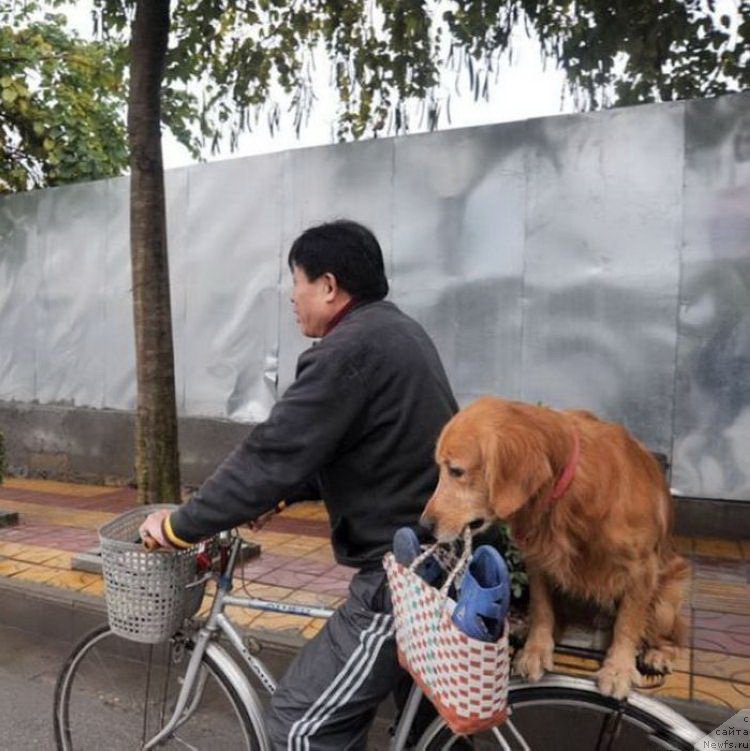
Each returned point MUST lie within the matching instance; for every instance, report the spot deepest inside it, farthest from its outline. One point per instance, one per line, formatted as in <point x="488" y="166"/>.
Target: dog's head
<point x="492" y="459"/>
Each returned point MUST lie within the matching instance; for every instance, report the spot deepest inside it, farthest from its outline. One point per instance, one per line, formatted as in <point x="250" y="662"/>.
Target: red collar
<point x="566" y="477"/>
<point x="339" y="316"/>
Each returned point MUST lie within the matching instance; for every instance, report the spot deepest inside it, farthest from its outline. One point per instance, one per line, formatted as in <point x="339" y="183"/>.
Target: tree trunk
<point x="156" y="455"/>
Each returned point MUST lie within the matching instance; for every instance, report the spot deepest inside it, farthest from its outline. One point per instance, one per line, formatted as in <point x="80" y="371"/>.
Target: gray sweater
<point x="359" y="423"/>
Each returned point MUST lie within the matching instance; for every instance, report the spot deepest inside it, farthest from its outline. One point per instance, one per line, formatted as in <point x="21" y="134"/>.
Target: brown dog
<point x="591" y="512"/>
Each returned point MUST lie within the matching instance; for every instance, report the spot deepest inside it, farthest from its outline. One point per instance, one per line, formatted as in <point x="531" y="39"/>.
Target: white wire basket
<point x="148" y="594"/>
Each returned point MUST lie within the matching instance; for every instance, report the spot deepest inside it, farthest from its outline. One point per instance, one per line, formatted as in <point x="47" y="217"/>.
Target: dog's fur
<point x="606" y="538"/>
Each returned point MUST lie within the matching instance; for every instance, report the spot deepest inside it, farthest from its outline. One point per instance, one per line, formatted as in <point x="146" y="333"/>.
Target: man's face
<point x="312" y="302"/>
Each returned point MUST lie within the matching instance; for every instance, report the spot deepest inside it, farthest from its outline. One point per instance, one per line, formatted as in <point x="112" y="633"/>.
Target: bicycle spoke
<point x="115" y="694"/>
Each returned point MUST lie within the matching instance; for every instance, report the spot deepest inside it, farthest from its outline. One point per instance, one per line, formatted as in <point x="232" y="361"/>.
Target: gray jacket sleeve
<point x="300" y="437"/>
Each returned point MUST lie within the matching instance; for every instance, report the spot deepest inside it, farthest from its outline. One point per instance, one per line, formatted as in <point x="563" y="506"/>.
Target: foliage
<point x="519" y="581"/>
<point x="60" y="102"/>
<point x="386" y="54"/>
<point x="230" y="62"/>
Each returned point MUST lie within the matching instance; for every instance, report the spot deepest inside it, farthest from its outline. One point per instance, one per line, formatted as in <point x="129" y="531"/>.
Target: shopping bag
<point x="466" y="679"/>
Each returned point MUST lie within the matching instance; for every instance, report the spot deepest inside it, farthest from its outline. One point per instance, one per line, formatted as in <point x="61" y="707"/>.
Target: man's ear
<point x="331" y="285"/>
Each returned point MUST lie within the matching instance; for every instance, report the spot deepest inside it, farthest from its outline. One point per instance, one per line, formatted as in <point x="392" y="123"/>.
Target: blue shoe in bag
<point x="406" y="548"/>
<point x="484" y="598"/>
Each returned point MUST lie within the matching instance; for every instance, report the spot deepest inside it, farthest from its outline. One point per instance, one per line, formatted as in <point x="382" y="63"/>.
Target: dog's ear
<point x="514" y="471"/>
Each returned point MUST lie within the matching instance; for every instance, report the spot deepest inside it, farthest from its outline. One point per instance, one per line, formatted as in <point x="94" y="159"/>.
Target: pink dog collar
<point x="570" y="469"/>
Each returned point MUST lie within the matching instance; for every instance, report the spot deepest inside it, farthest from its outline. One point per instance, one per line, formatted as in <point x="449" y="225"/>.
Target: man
<point x="357" y="428"/>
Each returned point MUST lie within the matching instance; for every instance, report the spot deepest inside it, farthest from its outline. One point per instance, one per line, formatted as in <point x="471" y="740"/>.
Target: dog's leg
<point x="618" y="672"/>
<point x="537" y="653"/>
<point x="666" y="631"/>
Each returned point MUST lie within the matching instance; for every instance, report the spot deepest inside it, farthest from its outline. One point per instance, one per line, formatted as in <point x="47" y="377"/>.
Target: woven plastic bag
<point x="465" y="679"/>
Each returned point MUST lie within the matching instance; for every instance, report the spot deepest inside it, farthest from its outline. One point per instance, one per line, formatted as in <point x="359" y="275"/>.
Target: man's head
<point x="331" y="265"/>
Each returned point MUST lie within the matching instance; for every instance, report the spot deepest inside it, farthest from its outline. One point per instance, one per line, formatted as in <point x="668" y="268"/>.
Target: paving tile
<point x="319" y="599"/>
<point x="256" y="568"/>
<point x="241" y="616"/>
<point x="284" y="578"/>
<point x="265" y="591"/>
<point x="76" y="580"/>
<point x="725" y="693"/>
<point x="60" y="561"/>
<point x="313" y="628"/>
<point x="682" y="661"/>
<point x="61" y="488"/>
<point x="345" y="573"/>
<point x="272" y="560"/>
<point x="721" y="665"/>
<point x="95" y="588"/>
<point x="9" y="549"/>
<point x="281" y="623"/>
<point x="35" y="554"/>
<point x="36" y="574"/>
<point x="718" y="548"/>
<point x="738" y="624"/>
<point x="64" y="517"/>
<point x="731" y="571"/>
<point x="309" y="566"/>
<point x="675" y="685"/>
<point x="336" y="587"/>
<point x="722" y="597"/>
<point x="10" y="567"/>
<point x="721" y="641"/>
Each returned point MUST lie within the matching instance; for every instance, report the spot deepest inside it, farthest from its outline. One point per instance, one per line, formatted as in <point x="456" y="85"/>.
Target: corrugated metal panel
<point x="597" y="261"/>
<point x="712" y="429"/>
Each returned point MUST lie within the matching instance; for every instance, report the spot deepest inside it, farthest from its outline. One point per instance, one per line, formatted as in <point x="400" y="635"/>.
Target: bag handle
<point x="459" y="566"/>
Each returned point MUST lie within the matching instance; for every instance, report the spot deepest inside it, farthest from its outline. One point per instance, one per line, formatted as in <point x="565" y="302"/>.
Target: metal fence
<point x="596" y="260"/>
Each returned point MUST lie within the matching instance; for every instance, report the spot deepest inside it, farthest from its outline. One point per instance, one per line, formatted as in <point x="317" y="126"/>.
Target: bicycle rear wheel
<point x="116" y="694"/>
<point x="564" y="713"/>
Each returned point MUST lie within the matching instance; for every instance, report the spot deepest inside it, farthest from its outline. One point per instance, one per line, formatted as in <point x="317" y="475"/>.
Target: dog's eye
<point x="456" y="472"/>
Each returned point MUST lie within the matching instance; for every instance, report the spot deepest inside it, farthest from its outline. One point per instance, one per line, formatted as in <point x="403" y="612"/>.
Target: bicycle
<point x="206" y="699"/>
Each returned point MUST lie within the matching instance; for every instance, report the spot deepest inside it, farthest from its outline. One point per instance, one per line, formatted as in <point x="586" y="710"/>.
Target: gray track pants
<point x="330" y="694"/>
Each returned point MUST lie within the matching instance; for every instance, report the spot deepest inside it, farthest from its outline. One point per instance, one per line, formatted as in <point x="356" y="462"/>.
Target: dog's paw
<point x="657" y="660"/>
<point x="534" y="659"/>
<point x="616" y="678"/>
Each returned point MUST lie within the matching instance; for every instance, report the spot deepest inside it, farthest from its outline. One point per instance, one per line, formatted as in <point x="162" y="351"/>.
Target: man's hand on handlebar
<point x="152" y="530"/>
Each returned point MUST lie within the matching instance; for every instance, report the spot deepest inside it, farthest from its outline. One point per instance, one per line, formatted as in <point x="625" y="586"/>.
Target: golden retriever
<point x="591" y="512"/>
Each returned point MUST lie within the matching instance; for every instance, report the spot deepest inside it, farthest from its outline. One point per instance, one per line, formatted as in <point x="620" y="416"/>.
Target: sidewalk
<point x="59" y="520"/>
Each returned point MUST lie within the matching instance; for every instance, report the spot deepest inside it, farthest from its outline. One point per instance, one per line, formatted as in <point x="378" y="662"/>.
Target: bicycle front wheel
<point x="563" y="712"/>
<point x="116" y="694"/>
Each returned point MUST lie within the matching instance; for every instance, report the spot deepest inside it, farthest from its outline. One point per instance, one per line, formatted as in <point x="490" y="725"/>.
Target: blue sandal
<point x="484" y="598"/>
<point x="406" y="548"/>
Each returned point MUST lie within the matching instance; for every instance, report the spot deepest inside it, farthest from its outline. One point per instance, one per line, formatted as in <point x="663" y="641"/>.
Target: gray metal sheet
<point x="70" y="318"/>
<point x="543" y="257"/>
<point x="458" y="250"/>
<point x="20" y="283"/>
<point x="118" y="349"/>
<point x="712" y="426"/>
<point x="602" y="266"/>
<point x="176" y="190"/>
<point x="228" y="351"/>
<point x="351" y="181"/>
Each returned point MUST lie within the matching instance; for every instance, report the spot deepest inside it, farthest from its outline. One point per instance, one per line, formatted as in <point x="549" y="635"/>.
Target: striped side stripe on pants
<point x="344" y="685"/>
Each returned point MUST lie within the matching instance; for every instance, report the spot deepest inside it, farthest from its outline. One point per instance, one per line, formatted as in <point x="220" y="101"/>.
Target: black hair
<point x="347" y="250"/>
